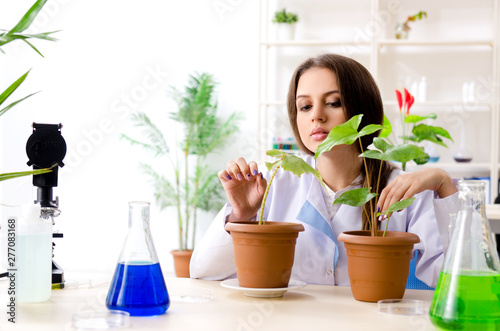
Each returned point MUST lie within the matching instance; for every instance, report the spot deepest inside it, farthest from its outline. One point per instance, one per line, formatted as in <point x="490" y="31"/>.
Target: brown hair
<point x="359" y="94"/>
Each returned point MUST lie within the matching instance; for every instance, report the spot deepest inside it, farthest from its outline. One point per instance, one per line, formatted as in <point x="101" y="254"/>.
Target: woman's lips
<point x="319" y="134"/>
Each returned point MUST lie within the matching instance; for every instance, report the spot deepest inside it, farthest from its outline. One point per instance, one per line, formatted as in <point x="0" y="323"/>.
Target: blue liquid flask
<point x="138" y="286"/>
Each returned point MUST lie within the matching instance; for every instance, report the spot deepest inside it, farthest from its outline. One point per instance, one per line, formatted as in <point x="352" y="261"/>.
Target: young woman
<point x="324" y="92"/>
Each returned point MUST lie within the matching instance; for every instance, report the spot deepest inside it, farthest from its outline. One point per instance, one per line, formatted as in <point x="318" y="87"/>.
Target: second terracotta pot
<point x="264" y="254"/>
<point x="378" y="266"/>
<point x="181" y="262"/>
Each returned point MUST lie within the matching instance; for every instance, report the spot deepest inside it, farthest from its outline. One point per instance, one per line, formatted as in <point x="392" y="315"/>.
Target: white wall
<point x="110" y="52"/>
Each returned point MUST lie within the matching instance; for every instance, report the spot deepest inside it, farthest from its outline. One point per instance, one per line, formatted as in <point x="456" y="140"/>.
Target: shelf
<point x="309" y="43"/>
<point x="453" y="166"/>
<point x="428" y="105"/>
<point x="472" y="42"/>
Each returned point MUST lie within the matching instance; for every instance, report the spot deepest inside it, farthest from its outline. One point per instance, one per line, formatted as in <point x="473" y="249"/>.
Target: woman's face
<point x="318" y="106"/>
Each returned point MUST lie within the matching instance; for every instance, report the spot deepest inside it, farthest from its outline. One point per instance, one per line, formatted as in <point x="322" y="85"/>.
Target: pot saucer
<point x="262" y="292"/>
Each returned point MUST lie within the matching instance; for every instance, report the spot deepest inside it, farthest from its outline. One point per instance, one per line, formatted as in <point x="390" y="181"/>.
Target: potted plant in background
<point x="285" y="24"/>
<point x="16" y="33"/>
<point x="377" y="261"/>
<point x="192" y="185"/>
<point x="264" y="251"/>
<point x="402" y="29"/>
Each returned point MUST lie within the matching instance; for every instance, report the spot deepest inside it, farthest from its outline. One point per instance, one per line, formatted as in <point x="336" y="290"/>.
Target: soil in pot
<point x="378" y="266"/>
<point x="264" y="254"/>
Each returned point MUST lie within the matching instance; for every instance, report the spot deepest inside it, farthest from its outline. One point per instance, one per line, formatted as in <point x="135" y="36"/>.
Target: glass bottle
<point x="467" y="295"/>
<point x="138" y="286"/>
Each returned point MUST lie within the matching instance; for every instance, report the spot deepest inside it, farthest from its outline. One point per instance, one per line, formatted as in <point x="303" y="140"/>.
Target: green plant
<point x="287" y="162"/>
<point x="418" y="16"/>
<point x="204" y="132"/>
<point x="419" y="132"/>
<point x="16" y="34"/>
<point x="347" y="133"/>
<point x="282" y="16"/>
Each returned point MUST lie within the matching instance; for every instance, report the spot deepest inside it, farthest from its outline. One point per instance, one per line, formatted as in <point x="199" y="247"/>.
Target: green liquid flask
<point x="467" y="295"/>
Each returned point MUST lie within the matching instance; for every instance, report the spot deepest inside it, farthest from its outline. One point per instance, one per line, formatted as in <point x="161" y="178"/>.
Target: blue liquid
<point x="138" y="289"/>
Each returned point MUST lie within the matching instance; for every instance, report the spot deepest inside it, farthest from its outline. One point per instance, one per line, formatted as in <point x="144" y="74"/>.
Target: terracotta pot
<point x="264" y="254"/>
<point x="378" y="266"/>
<point x="181" y="262"/>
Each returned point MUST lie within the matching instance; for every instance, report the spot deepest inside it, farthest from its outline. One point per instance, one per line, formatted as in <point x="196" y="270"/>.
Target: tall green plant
<point x="347" y="133"/>
<point x="203" y="133"/>
<point x="16" y="33"/>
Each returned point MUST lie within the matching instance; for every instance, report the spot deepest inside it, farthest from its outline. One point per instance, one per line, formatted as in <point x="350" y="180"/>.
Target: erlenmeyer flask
<point x="138" y="286"/>
<point x="467" y="295"/>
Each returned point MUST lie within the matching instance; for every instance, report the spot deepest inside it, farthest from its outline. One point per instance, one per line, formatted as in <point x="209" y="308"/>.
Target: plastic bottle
<point x="33" y="256"/>
<point x="465" y="92"/>
<point x="422" y="90"/>
<point x="471" y="92"/>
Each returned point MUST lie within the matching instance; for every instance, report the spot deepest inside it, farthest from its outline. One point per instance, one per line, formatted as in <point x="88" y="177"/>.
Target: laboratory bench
<point x="310" y="307"/>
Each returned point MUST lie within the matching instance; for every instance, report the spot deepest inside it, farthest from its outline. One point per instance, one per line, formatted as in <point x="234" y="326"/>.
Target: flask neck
<point x="138" y="215"/>
<point x="472" y="196"/>
<point x="138" y="247"/>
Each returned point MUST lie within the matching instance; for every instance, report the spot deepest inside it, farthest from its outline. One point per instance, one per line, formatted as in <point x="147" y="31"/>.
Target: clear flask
<point x="138" y="286"/>
<point x="467" y="295"/>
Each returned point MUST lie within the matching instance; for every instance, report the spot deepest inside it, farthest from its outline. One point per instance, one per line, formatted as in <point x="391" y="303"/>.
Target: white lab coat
<point x="319" y="257"/>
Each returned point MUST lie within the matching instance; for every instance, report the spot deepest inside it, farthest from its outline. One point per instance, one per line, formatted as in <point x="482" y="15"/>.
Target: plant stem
<point x="370" y="219"/>
<point x="386" y="224"/>
<point x="403" y="126"/>
<point x="195" y="207"/>
<point x="186" y="189"/>
<point x="265" y="196"/>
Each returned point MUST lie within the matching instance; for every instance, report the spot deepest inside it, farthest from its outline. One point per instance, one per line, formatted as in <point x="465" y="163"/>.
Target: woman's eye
<point x="305" y="108"/>
<point x="335" y="104"/>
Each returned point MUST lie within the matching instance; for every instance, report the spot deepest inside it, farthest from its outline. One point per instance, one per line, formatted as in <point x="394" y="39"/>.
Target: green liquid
<point x="467" y="302"/>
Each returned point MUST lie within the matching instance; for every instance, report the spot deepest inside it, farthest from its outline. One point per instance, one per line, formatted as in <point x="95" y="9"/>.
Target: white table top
<point x="313" y="307"/>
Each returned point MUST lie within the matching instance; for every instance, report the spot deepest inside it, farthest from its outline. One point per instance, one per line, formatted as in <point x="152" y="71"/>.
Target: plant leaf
<point x="417" y="118"/>
<point x="355" y="198"/>
<point x="29" y="17"/>
<point x="398" y="153"/>
<point x="5" y="94"/>
<point x="11" y="175"/>
<point x="399" y="205"/>
<point x="292" y="163"/>
<point x="387" y="130"/>
<point x="346" y="133"/>
<point x="431" y="133"/>
<point x="2" y="111"/>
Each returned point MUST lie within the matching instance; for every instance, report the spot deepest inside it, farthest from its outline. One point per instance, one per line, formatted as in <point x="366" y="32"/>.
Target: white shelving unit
<point x="458" y="41"/>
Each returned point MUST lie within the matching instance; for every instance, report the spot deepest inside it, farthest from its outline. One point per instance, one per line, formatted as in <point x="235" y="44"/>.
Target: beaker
<point x="138" y="286"/>
<point x="467" y="295"/>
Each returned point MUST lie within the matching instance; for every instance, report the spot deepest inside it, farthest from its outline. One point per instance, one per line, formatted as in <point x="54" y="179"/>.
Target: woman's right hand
<point x="245" y="188"/>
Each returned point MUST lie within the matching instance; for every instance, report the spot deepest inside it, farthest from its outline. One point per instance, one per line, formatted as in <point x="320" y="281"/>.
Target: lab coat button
<point x="329" y="272"/>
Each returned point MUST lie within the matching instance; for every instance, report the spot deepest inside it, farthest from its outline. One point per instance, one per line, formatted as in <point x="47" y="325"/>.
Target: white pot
<point x="285" y="31"/>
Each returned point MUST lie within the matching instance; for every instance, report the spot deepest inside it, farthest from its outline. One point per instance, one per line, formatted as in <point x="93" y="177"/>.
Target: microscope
<point x="46" y="148"/>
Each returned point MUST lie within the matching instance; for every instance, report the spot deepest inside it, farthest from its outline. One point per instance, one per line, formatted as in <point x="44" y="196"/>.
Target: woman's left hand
<point x="407" y="185"/>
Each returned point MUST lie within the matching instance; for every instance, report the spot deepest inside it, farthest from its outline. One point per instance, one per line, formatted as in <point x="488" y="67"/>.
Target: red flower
<point x="400" y="99"/>
<point x="409" y="104"/>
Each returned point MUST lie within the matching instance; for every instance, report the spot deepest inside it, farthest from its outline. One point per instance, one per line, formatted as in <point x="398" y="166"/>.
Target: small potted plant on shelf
<point x="193" y="188"/>
<point x="264" y="251"/>
<point x="374" y="256"/>
<point x="402" y="29"/>
<point x="285" y="24"/>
